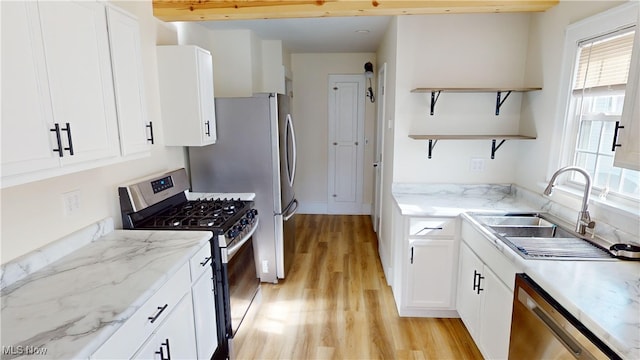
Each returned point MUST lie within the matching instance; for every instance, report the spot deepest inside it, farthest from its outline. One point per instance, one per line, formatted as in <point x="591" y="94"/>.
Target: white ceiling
<point x="310" y="35"/>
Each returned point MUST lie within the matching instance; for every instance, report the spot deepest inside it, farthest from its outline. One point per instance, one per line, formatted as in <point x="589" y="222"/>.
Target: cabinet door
<point x="174" y="338"/>
<point x="430" y="282"/>
<point x="495" y="315"/>
<point x="468" y="299"/>
<point x="128" y="81"/>
<point x="628" y="155"/>
<point x="207" y="106"/>
<point x="79" y="71"/>
<point x="204" y="312"/>
<point x="27" y="142"/>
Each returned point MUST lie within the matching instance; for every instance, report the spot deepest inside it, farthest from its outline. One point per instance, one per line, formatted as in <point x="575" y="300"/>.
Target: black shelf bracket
<point x="494" y="148"/>
<point x="432" y="144"/>
<point x="434" y="100"/>
<point x="500" y="102"/>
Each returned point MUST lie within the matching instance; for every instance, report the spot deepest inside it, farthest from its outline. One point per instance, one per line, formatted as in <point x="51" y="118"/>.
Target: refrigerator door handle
<point x="288" y="213"/>
<point x="291" y="170"/>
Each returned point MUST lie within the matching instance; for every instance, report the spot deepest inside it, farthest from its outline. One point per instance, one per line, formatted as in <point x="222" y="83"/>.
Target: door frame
<point x="376" y="214"/>
<point x="357" y="207"/>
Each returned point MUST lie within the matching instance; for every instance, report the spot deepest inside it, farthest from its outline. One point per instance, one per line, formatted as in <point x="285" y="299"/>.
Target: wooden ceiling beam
<point x="204" y="10"/>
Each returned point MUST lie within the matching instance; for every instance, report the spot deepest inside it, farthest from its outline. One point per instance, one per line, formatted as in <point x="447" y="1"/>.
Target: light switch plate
<point x="71" y="202"/>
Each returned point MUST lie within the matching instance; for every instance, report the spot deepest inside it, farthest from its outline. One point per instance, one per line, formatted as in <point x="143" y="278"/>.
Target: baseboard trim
<point x="311" y="207"/>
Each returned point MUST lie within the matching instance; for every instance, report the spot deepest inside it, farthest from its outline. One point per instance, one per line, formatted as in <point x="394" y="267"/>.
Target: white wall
<point x="543" y="112"/>
<point x="32" y="214"/>
<point x="461" y="50"/>
<point x="310" y="114"/>
<point x="540" y="109"/>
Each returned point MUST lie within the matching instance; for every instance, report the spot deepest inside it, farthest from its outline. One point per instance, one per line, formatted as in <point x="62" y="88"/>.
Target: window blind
<point x="603" y="63"/>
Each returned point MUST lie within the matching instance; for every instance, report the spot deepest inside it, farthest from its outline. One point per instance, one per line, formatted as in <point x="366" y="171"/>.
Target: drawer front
<point x="133" y="333"/>
<point x="432" y="227"/>
<point x="200" y="262"/>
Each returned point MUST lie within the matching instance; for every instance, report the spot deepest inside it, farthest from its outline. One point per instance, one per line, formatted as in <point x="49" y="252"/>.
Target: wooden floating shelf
<point x="433" y="139"/>
<point x="471" y="137"/>
<point x="462" y="89"/>
<point x="435" y="93"/>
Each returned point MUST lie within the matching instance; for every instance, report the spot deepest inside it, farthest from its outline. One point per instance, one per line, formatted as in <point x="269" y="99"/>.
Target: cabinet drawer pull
<point x="161" y="352"/>
<point x="476" y="284"/>
<point x="206" y="260"/>
<point x="152" y="319"/>
<point x="208" y="131"/>
<point x="150" y="127"/>
<point x="429" y="228"/>
<point x="68" y="130"/>
<point x="56" y="129"/>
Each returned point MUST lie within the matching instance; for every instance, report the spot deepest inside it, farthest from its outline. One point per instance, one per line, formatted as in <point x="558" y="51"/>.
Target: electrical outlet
<point x="71" y="202"/>
<point x="477" y="165"/>
<point x="265" y="266"/>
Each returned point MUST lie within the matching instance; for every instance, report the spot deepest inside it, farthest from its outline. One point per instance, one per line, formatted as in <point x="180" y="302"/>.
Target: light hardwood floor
<point x="335" y="304"/>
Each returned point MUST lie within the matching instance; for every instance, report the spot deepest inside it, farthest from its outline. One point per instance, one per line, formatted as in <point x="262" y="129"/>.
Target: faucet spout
<point x="584" y="219"/>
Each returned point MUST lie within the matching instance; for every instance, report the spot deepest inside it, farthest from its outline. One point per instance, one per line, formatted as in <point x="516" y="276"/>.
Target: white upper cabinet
<point x="185" y="74"/>
<point x="26" y="108"/>
<point x="76" y="47"/>
<point x="59" y="110"/>
<point x="136" y="131"/>
<point x="627" y="155"/>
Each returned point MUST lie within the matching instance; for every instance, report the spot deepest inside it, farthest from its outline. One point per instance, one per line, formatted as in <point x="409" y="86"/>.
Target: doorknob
<point x="375" y="164"/>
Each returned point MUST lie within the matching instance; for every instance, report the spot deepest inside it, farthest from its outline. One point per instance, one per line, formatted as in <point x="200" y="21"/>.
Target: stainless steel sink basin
<point x="540" y="236"/>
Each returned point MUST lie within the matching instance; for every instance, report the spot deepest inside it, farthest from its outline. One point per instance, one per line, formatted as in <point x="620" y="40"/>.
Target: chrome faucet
<point x="584" y="219"/>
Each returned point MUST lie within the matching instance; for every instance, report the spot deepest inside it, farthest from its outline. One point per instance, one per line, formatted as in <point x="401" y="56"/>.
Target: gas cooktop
<point x="201" y="214"/>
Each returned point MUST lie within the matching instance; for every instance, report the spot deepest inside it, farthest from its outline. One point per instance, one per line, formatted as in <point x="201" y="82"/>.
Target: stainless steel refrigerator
<point x="255" y="152"/>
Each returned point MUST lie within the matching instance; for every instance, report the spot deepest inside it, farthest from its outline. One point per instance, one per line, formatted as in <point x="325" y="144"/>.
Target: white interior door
<point x="346" y="145"/>
<point x="376" y="215"/>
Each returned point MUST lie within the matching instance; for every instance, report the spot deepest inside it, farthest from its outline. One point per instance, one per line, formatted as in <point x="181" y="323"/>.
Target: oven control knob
<point x="232" y="233"/>
<point x="244" y="221"/>
<point x="252" y="213"/>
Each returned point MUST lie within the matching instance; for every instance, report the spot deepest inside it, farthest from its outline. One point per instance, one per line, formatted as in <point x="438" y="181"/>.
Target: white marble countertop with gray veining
<point x="603" y="295"/>
<point x="70" y="306"/>
<point x="452" y="200"/>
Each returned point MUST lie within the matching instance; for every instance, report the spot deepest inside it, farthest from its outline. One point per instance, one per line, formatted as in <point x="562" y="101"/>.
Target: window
<point x="595" y="105"/>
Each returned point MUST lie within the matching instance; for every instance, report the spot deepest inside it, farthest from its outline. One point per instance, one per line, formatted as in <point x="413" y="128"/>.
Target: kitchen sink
<point x="540" y="236"/>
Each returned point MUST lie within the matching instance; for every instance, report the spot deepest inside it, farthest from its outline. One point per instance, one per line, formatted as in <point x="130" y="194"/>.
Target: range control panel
<point x="161" y="184"/>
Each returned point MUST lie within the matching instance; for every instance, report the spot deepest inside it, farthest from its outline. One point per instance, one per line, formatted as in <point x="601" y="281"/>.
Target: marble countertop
<point x="604" y="296"/>
<point x="69" y="307"/>
<point x="453" y="200"/>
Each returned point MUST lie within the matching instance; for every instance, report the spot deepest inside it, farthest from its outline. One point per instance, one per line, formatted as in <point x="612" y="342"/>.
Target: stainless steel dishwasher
<point x="542" y="329"/>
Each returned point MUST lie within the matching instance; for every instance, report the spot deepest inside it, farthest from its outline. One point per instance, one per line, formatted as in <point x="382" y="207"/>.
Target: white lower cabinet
<point x="484" y="304"/>
<point x="429" y="284"/>
<point x="204" y="304"/>
<point x="425" y="286"/>
<point x="174" y="338"/>
<point x="177" y="322"/>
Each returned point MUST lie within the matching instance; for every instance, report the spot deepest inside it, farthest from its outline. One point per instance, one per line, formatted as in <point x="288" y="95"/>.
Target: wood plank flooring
<point x="335" y="304"/>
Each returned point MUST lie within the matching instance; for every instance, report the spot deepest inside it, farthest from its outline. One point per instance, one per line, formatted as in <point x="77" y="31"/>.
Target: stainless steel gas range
<point x="160" y="203"/>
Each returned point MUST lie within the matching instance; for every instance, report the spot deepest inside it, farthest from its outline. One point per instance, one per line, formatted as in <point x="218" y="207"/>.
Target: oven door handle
<point x="231" y="251"/>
